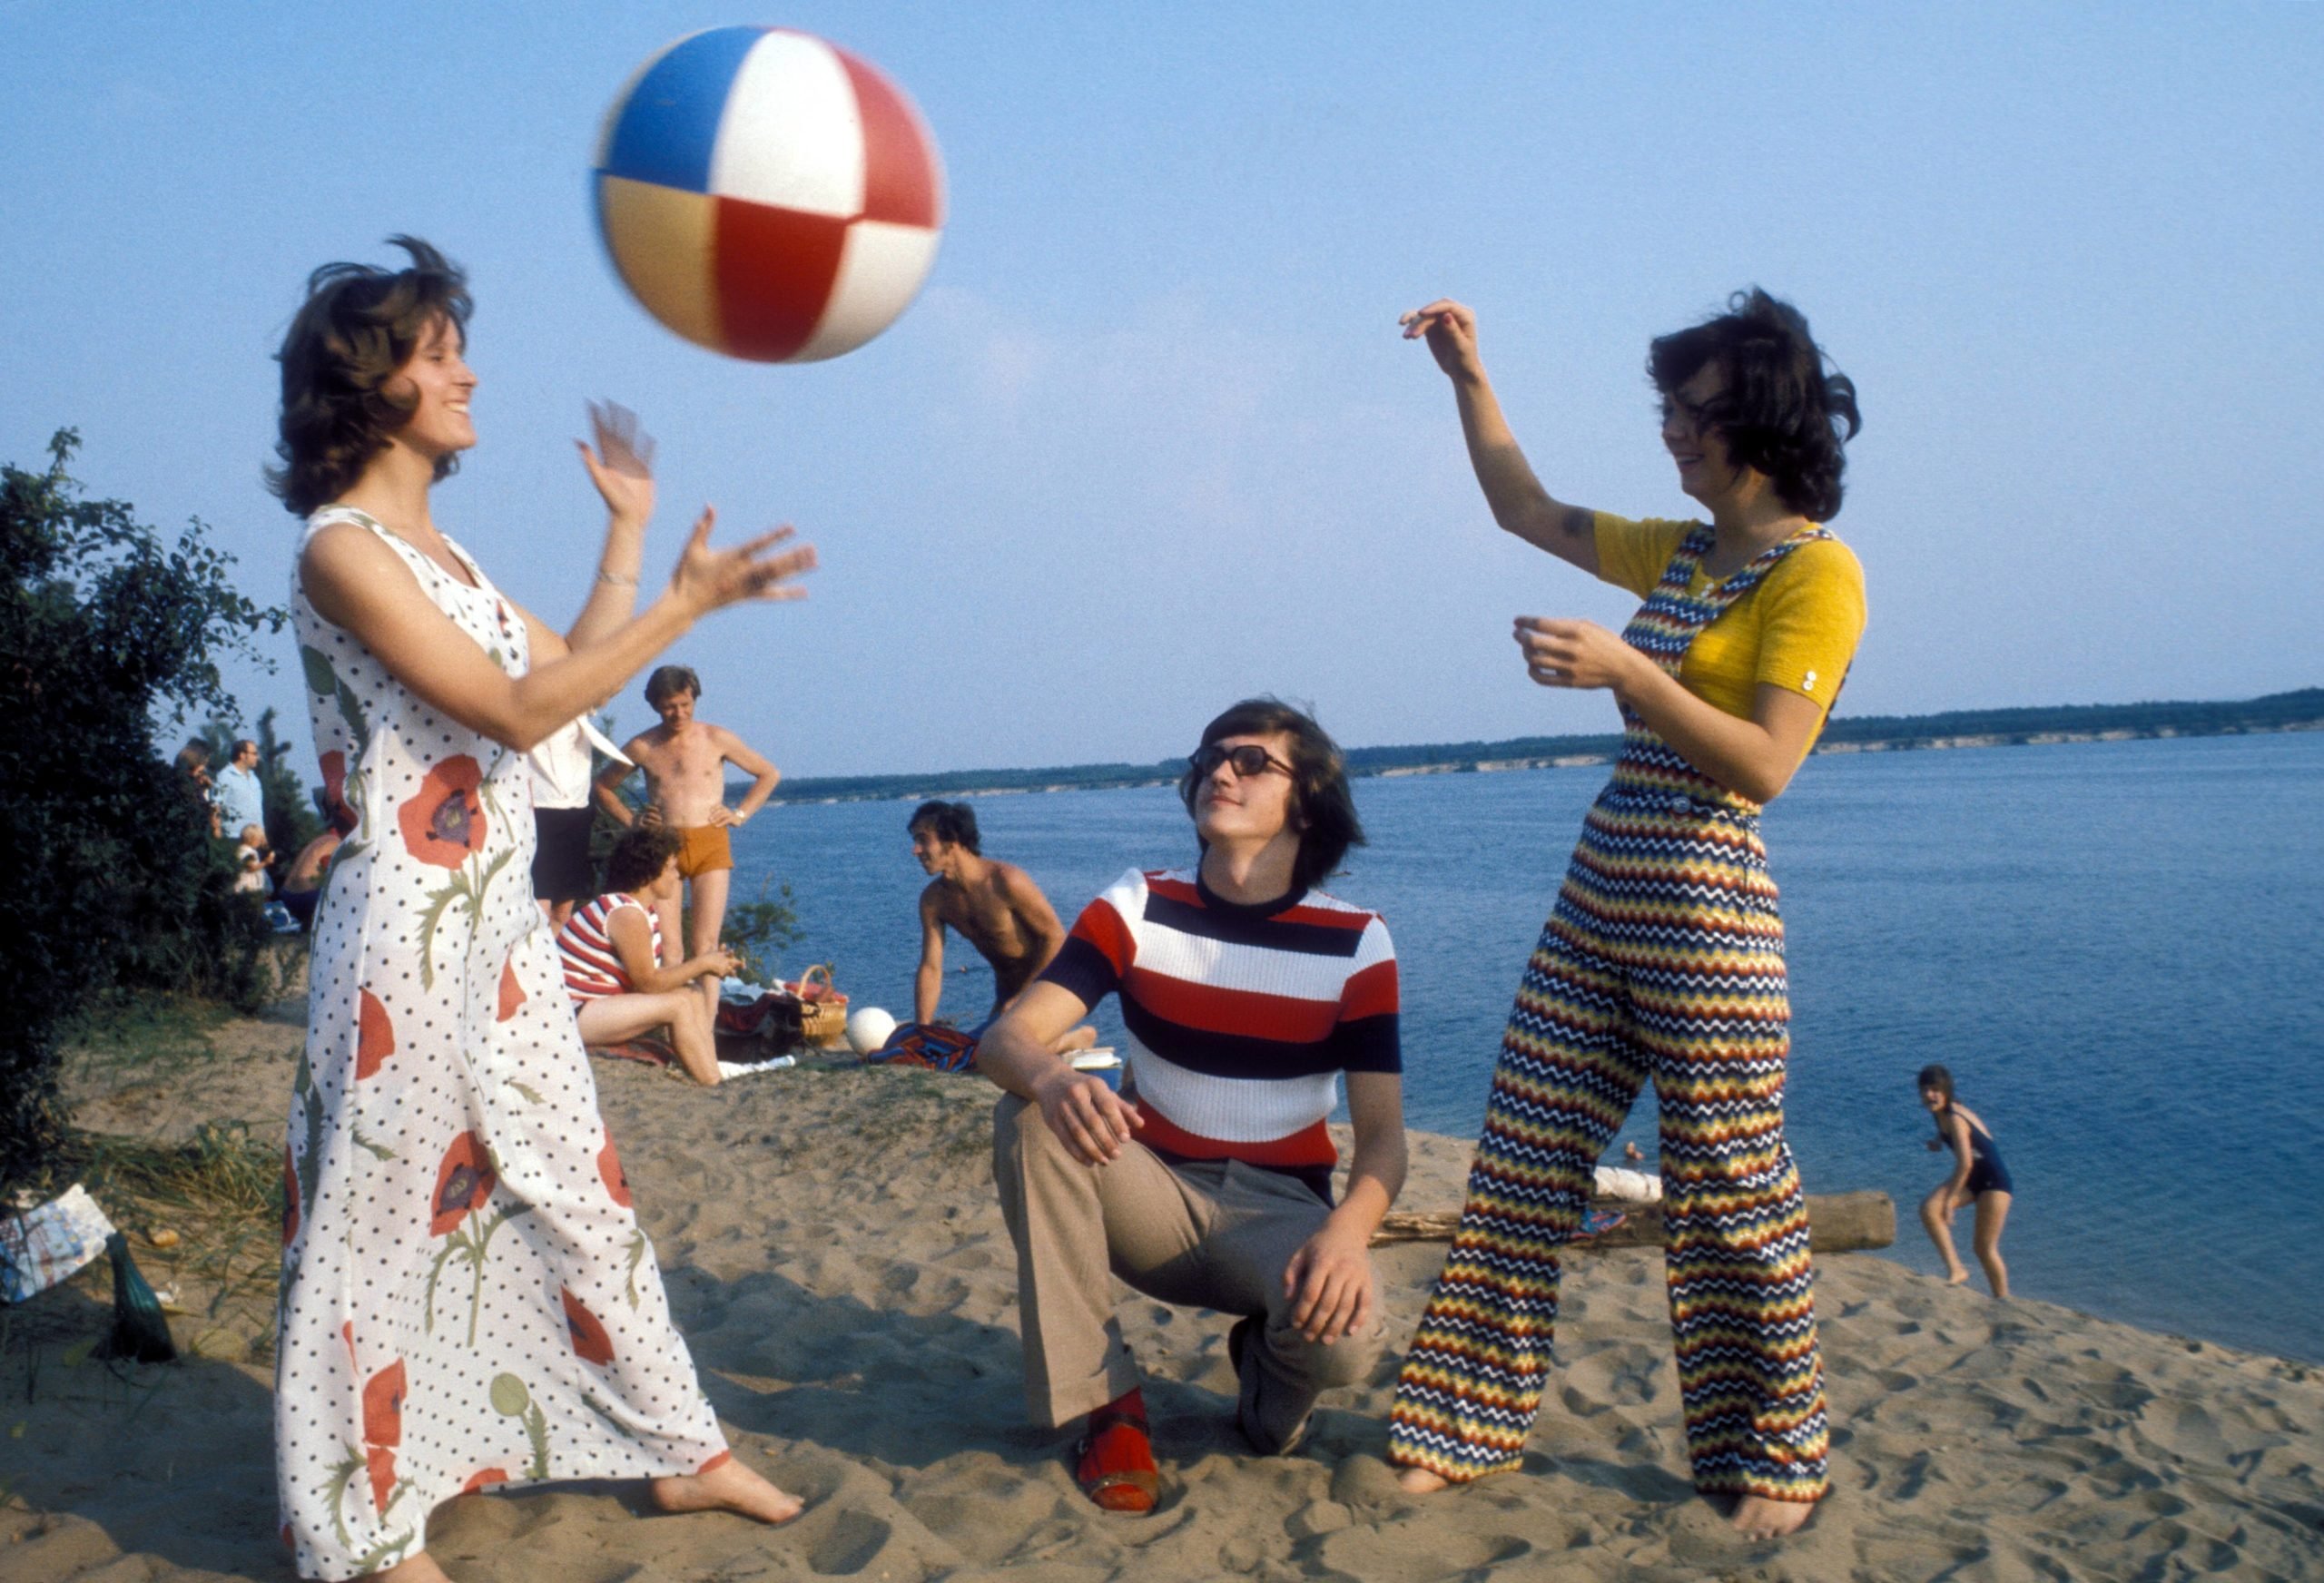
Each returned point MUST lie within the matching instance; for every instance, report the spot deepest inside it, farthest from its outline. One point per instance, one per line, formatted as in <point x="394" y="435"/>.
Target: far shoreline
<point x="2274" y="714"/>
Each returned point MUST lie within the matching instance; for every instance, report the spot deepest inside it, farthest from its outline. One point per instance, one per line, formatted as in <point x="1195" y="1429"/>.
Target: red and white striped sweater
<point x="1240" y="1018"/>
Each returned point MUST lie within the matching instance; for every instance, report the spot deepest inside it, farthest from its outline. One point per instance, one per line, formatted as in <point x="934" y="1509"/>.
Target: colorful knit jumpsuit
<point x="1663" y="960"/>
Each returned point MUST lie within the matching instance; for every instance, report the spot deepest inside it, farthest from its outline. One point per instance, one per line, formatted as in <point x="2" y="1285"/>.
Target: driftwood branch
<point x="1838" y="1223"/>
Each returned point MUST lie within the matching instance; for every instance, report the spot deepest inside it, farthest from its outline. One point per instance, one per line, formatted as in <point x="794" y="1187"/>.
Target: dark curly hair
<point x="1781" y="413"/>
<point x="1321" y="803"/>
<point x="953" y="823"/>
<point x="359" y="325"/>
<point x="640" y="855"/>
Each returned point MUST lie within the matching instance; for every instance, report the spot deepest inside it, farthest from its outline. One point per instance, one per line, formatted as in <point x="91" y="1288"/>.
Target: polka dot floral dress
<point x="466" y="1298"/>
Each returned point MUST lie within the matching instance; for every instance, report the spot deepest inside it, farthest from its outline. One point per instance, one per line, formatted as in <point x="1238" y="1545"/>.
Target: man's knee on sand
<point x="1349" y="1360"/>
<point x="1020" y="1137"/>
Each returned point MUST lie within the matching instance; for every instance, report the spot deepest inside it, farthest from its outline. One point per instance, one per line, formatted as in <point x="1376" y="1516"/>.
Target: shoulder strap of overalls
<point x="1767" y="561"/>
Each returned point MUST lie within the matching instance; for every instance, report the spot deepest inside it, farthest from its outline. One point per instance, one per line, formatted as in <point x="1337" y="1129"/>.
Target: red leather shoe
<point x="1114" y="1463"/>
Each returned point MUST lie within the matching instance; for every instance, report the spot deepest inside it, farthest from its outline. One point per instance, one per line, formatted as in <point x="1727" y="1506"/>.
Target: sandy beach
<point x="836" y="1260"/>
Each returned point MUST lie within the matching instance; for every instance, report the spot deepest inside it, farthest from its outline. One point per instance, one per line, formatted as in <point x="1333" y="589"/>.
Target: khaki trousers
<point x="1215" y="1234"/>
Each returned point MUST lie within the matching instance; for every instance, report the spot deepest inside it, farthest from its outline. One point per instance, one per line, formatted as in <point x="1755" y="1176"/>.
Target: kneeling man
<point x="1207" y="1183"/>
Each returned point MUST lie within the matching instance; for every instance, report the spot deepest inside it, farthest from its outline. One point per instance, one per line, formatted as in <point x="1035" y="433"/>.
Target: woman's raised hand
<point x="708" y="579"/>
<point x="622" y="466"/>
<point x="1451" y="330"/>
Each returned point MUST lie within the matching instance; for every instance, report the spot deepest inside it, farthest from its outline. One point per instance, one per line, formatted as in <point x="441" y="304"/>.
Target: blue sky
<point x="1148" y="442"/>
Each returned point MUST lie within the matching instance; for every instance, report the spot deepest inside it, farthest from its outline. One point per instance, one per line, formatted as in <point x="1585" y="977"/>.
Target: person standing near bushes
<point x="467" y="1297"/>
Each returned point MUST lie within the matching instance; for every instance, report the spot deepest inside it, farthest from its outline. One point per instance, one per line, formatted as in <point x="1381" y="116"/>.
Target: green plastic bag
<point x="140" y="1331"/>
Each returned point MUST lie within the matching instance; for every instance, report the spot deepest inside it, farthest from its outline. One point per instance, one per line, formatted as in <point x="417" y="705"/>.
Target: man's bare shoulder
<point x="1013" y="880"/>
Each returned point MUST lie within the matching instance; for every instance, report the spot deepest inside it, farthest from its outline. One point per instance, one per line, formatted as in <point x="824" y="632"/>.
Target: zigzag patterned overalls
<point x="1663" y="959"/>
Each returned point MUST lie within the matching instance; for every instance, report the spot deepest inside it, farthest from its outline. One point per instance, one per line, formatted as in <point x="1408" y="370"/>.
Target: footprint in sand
<point x="849" y="1545"/>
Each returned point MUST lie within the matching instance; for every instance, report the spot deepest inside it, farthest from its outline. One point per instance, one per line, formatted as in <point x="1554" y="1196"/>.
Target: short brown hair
<point x="669" y="681"/>
<point x="359" y="325"/>
<point x="639" y="857"/>
<point x="1321" y="802"/>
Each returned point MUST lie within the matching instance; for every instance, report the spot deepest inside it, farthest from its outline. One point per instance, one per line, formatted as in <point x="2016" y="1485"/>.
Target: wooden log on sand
<point x="1837" y="1223"/>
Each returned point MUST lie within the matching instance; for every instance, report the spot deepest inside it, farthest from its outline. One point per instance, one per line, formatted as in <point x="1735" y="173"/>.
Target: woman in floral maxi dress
<point x="467" y="1300"/>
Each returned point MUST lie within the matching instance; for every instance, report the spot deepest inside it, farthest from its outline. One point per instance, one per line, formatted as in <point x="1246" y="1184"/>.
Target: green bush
<point x="106" y="633"/>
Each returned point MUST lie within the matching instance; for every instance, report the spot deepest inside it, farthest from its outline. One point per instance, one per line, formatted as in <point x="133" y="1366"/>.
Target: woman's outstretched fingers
<point x="771" y="574"/>
<point x="715" y="578"/>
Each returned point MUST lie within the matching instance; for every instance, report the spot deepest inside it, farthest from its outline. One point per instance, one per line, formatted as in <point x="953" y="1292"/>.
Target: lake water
<point x="2115" y="946"/>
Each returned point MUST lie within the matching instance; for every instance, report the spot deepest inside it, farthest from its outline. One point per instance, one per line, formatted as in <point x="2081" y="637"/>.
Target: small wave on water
<point x="2113" y="945"/>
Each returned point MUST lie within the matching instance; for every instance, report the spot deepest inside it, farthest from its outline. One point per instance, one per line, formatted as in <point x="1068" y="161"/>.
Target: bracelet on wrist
<point x="616" y="578"/>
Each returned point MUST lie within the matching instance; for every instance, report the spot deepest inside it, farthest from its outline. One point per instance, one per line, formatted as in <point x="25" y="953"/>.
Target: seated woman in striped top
<point x="1246" y="993"/>
<point x="611" y="948"/>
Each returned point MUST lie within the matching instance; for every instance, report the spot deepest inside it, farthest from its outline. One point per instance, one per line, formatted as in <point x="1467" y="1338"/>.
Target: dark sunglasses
<point x="1250" y="760"/>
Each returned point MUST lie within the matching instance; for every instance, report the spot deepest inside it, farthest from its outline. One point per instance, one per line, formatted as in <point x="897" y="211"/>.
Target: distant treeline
<point x="2303" y="710"/>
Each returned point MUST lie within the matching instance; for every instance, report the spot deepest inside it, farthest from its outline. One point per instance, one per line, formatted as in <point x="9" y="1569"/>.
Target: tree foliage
<point x="291" y="820"/>
<point x="107" y="633"/>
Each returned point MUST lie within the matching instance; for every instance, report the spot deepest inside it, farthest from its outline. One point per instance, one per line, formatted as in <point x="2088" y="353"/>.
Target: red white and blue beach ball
<point x="768" y="195"/>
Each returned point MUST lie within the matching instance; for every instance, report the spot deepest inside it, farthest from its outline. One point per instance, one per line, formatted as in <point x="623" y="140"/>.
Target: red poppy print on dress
<point x="484" y="1478"/>
<point x="463" y="1182"/>
<point x="512" y="994"/>
<point x="443" y="822"/>
<point x="375" y="1035"/>
<point x="610" y="1168"/>
<point x="289" y="1196"/>
<point x="591" y="1345"/>
<point x="381" y="1463"/>
<point x="383" y="1406"/>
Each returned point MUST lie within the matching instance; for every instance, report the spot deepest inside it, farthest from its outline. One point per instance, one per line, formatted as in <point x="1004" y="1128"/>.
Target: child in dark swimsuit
<point x="1978" y="1177"/>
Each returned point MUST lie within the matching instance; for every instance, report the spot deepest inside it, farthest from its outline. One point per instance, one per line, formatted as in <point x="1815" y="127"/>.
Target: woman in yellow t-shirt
<point x="1663" y="960"/>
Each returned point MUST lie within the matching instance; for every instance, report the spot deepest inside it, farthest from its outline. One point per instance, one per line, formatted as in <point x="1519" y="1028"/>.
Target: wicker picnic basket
<point x="822" y="1009"/>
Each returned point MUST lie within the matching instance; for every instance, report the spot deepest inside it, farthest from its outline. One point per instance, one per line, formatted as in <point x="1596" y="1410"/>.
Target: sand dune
<point x="836" y="1260"/>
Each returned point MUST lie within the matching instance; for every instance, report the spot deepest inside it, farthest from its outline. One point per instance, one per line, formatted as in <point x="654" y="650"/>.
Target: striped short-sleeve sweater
<point x="593" y="968"/>
<point x="1240" y="1018"/>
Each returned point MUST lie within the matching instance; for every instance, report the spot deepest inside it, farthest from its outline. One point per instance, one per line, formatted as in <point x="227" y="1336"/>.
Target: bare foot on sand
<point x="1419" y="1481"/>
<point x="1758" y="1518"/>
<point x="1958" y="1278"/>
<point x="728" y="1486"/>
<point x="419" y="1568"/>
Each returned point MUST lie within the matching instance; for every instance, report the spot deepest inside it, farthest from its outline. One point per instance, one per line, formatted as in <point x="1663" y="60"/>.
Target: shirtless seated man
<point x="995" y="906"/>
<point x="685" y="761"/>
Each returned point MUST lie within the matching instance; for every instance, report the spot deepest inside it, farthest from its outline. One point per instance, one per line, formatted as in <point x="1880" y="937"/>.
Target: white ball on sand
<point x="868" y="1029"/>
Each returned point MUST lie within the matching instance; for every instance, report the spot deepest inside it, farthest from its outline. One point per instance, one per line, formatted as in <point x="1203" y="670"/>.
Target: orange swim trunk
<point x="704" y="849"/>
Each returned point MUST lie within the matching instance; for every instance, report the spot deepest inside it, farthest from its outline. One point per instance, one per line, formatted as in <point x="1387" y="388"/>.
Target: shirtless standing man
<point x="996" y="907"/>
<point x="685" y="761"/>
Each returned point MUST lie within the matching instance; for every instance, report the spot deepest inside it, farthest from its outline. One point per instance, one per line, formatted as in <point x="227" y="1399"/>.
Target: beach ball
<point x="868" y="1029"/>
<point x="768" y="195"/>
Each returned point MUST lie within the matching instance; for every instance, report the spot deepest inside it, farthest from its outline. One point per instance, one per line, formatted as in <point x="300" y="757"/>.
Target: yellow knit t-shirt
<point x="1797" y="629"/>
